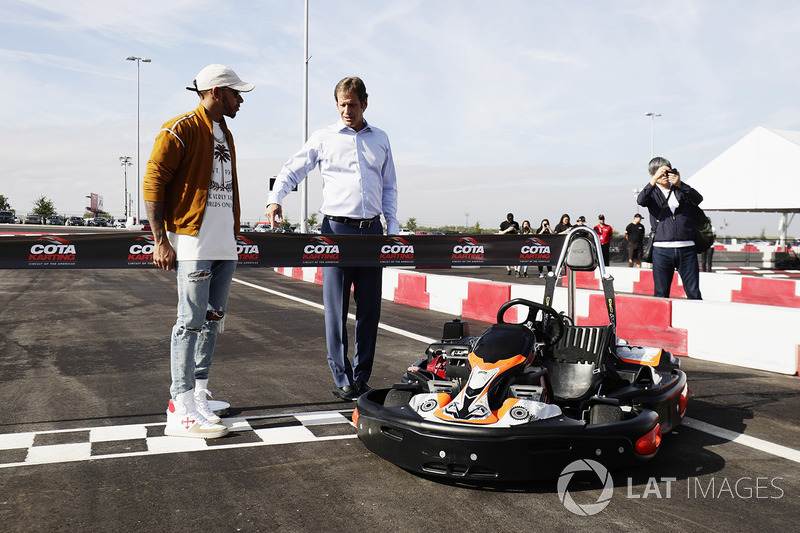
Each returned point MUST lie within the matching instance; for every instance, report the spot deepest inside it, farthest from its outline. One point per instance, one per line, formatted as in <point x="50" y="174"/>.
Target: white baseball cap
<point x="219" y="76"/>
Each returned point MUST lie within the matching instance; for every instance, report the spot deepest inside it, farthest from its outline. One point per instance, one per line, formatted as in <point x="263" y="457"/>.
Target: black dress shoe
<point x="347" y="393"/>
<point x="362" y="387"/>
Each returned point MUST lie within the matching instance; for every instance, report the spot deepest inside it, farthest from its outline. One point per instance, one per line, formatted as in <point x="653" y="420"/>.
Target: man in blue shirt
<point x="358" y="186"/>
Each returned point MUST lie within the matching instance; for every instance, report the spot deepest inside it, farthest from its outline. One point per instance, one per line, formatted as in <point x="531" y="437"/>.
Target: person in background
<point x="605" y="232"/>
<point x="509" y="227"/>
<point x="564" y="226"/>
<point x="359" y="185"/>
<point x="634" y="235"/>
<point x="525" y="229"/>
<point x="666" y="198"/>
<point x="192" y="198"/>
<point x="581" y="221"/>
<point x="707" y="257"/>
<point x="544" y="227"/>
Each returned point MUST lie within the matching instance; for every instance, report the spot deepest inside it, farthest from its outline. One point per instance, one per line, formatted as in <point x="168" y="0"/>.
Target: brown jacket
<point x="179" y="171"/>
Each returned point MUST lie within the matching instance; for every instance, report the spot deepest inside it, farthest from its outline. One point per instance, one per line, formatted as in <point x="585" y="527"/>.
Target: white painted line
<point x="765" y="446"/>
<point x="281" y="294"/>
<point x="16" y="440"/>
<point x="326" y="417"/>
<point x="59" y="453"/>
<point x="351" y="316"/>
<point x="166" y="444"/>
<point x="115" y="433"/>
<point x="236" y="424"/>
<point x="286" y="435"/>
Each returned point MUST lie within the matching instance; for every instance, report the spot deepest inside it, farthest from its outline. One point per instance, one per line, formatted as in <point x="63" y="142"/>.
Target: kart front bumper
<point x="537" y="450"/>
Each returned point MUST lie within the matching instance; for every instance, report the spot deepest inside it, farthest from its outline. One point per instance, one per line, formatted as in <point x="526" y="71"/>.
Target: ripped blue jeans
<point x="203" y="288"/>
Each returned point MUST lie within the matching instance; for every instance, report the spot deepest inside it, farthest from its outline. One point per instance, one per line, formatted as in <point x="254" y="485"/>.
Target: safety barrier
<point x="134" y="249"/>
<point x="714" y="287"/>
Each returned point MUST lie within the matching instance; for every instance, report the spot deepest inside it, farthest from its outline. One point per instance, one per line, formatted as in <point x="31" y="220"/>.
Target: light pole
<point x="636" y="192"/>
<point x="138" y="155"/>
<point x="652" y="131"/>
<point x="304" y="183"/>
<point x="125" y="161"/>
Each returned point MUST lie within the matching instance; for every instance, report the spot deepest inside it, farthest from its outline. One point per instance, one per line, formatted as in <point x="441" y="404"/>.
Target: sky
<point x="526" y="106"/>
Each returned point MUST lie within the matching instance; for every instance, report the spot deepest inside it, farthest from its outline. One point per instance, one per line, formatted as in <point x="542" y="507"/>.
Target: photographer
<point x="510" y="226"/>
<point x="666" y="198"/>
<point x="544" y="227"/>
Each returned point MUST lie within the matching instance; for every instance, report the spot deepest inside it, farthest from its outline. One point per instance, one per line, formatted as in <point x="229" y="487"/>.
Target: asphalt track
<point x="84" y="378"/>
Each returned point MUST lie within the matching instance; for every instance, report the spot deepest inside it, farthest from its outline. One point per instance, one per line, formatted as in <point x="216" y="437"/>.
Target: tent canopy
<point x="760" y="173"/>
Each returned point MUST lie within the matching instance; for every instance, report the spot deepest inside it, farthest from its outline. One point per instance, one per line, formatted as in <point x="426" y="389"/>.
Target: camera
<point x="671" y="172"/>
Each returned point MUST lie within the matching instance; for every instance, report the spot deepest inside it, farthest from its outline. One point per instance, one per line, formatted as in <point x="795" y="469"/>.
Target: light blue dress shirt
<point x="358" y="176"/>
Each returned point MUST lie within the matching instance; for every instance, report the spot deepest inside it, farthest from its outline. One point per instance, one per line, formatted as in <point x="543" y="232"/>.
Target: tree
<point x="5" y="205"/>
<point x="43" y="206"/>
<point x="312" y="220"/>
<point x="411" y="224"/>
<point x="285" y="224"/>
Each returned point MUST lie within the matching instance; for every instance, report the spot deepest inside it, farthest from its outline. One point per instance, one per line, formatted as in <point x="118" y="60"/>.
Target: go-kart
<point x="523" y="400"/>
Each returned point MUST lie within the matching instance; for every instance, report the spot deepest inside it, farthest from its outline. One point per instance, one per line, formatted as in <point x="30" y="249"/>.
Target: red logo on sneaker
<point x="187" y="422"/>
<point x="171" y="407"/>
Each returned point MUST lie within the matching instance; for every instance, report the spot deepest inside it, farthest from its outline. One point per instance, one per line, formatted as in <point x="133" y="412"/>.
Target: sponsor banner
<point x="130" y="249"/>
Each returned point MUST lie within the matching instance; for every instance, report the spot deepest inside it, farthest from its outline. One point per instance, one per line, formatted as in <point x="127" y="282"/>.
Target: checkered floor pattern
<point x="96" y="443"/>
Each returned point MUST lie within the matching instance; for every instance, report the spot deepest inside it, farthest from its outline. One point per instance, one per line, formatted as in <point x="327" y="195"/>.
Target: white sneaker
<point x="201" y="396"/>
<point x="183" y="420"/>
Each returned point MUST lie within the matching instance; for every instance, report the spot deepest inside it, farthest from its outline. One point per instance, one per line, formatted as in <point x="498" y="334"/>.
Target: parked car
<point x="7" y="217"/>
<point x="55" y="220"/>
<point x="99" y="222"/>
<point x="33" y="218"/>
<point x="74" y="221"/>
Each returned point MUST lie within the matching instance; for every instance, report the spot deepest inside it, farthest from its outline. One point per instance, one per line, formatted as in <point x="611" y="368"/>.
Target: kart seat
<point x="576" y="362"/>
<point x="502" y="341"/>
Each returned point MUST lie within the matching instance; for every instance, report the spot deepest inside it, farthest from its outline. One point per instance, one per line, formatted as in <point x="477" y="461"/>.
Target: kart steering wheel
<point x="530" y="320"/>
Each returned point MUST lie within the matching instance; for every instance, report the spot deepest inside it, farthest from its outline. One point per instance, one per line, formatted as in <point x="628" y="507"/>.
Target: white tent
<point x="760" y="173"/>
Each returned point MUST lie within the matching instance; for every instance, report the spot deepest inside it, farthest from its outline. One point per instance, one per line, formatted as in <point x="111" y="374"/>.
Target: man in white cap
<point x="191" y="194"/>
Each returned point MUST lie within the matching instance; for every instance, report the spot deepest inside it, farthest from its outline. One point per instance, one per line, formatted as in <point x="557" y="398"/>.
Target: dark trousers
<point x="606" y="252"/>
<point x="366" y="283"/>
<point x="684" y="260"/>
<point x="706" y="258"/>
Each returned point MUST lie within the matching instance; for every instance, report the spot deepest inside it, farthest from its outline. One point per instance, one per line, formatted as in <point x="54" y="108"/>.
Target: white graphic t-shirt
<point x="215" y="240"/>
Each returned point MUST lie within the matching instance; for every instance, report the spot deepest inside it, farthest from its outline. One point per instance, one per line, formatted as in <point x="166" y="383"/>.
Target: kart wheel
<point x="397" y="398"/>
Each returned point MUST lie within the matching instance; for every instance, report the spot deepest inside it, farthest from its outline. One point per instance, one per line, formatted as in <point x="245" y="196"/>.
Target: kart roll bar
<point x="588" y="236"/>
